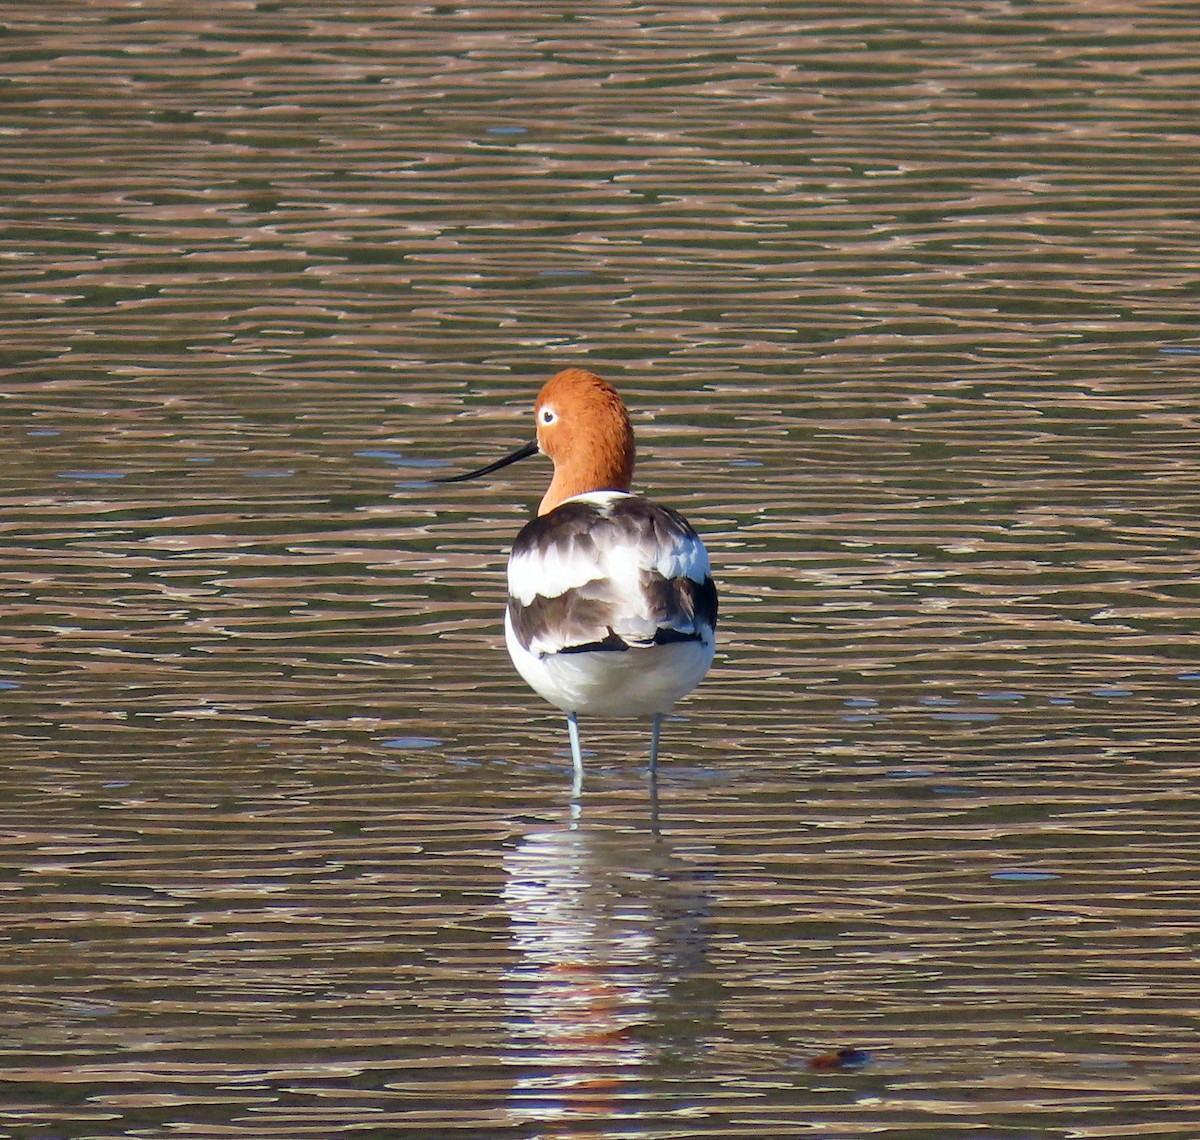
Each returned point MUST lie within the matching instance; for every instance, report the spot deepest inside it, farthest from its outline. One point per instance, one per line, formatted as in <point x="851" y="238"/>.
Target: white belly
<point x="614" y="683"/>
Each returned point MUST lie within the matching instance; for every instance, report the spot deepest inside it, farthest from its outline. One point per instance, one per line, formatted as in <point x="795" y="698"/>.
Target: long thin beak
<point x="521" y="453"/>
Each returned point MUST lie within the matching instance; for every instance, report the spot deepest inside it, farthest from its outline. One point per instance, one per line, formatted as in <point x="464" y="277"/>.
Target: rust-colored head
<point x="584" y="428"/>
<point x="581" y="425"/>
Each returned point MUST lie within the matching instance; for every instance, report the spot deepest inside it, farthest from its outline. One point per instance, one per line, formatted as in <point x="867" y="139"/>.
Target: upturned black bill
<point x="521" y="453"/>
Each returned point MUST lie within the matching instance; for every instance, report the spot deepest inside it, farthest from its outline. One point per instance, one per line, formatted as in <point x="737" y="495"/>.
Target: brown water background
<point x="903" y="299"/>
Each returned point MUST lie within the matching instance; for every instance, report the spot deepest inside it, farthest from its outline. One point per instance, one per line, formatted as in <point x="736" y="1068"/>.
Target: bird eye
<point x="547" y="416"/>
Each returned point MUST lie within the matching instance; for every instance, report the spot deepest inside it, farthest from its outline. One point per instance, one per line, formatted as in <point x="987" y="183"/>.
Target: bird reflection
<point x="612" y="936"/>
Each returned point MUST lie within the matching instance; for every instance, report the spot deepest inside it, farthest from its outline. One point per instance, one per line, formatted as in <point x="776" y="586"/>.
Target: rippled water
<point x="903" y="300"/>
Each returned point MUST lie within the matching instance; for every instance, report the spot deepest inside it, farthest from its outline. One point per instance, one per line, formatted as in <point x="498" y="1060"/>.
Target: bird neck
<point x="578" y="479"/>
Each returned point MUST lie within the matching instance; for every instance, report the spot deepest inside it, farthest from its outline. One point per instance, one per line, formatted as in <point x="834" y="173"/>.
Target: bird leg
<point x="655" y="734"/>
<point x="576" y="754"/>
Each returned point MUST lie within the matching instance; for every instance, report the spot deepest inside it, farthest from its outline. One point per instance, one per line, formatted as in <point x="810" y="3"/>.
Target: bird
<point x="612" y="610"/>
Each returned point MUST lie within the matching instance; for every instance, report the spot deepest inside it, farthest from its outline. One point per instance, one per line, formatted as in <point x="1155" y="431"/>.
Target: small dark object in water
<point x="839" y="1060"/>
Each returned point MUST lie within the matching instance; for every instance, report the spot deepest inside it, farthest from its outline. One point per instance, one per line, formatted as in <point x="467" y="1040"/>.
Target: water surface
<point x="903" y="302"/>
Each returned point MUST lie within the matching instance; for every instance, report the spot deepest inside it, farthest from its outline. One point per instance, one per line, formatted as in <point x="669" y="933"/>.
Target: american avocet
<point x="612" y="610"/>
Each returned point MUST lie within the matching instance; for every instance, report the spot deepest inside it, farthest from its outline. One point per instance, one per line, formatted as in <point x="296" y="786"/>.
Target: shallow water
<point x="903" y="303"/>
